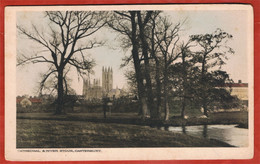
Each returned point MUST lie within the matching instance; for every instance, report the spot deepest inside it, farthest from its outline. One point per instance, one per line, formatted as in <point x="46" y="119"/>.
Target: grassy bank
<point x="240" y="118"/>
<point x="81" y="134"/>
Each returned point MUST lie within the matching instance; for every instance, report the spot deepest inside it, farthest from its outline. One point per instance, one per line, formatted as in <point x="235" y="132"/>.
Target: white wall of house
<point x="240" y="92"/>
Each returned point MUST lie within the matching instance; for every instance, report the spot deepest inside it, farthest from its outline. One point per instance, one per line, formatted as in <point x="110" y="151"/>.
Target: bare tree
<point x="125" y="22"/>
<point x="143" y="18"/>
<point x="154" y="54"/>
<point x="63" y="44"/>
<point x="49" y="84"/>
<point x="166" y="37"/>
<point x="186" y="70"/>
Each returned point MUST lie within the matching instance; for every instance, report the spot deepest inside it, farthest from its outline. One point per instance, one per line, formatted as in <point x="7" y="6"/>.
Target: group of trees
<point x="164" y="64"/>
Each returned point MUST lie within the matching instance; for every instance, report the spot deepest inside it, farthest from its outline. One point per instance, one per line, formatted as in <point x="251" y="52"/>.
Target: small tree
<point x="166" y="37"/>
<point x="183" y="75"/>
<point x="213" y="52"/>
<point x="67" y="29"/>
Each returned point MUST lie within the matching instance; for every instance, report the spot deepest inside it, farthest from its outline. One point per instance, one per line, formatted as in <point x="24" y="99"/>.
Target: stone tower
<point x="107" y="79"/>
<point x="92" y="91"/>
<point x="86" y="86"/>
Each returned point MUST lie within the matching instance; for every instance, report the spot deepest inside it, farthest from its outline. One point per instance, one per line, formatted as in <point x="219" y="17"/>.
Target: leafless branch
<point x="33" y="59"/>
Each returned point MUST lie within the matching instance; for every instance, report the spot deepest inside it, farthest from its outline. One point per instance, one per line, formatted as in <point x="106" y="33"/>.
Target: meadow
<point x="81" y="134"/>
<point x="91" y="130"/>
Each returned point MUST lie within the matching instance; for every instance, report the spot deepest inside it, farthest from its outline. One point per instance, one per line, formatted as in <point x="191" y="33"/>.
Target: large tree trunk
<point x="166" y="107"/>
<point x="150" y="96"/>
<point x="203" y="89"/>
<point x="183" y="107"/>
<point x="146" y="66"/>
<point x="184" y="84"/>
<point x="60" y="103"/>
<point x="145" y="110"/>
<point x="205" y="109"/>
<point x="165" y="89"/>
<point x="139" y="79"/>
<point x="157" y="75"/>
<point x="158" y="90"/>
<point x="184" y="98"/>
<point x="140" y="85"/>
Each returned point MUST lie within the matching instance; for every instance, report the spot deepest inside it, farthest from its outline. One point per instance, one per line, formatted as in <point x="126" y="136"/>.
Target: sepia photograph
<point x="138" y="80"/>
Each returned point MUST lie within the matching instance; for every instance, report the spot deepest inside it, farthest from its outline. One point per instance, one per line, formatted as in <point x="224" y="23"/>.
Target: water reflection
<point x="205" y="131"/>
<point x="226" y="133"/>
<point x="184" y="129"/>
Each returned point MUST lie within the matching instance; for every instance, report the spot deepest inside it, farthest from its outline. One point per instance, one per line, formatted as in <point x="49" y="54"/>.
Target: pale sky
<point x="198" y="22"/>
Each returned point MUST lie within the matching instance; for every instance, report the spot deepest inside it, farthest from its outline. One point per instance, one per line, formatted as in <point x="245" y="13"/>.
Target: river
<point x="227" y="133"/>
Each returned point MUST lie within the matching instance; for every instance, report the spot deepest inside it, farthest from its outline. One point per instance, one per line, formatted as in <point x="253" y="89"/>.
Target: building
<point x="239" y="89"/>
<point x="26" y="102"/>
<point x="92" y="91"/>
<point x="107" y="79"/>
<point x="97" y="91"/>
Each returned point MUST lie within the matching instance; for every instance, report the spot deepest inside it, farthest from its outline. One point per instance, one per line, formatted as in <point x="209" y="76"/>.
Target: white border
<point x="11" y="152"/>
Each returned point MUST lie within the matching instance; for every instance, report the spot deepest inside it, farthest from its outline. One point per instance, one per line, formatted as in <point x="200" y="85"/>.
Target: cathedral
<point x="97" y="91"/>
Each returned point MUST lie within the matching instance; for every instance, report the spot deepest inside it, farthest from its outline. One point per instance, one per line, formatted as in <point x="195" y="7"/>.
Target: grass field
<point x="88" y="130"/>
<point x="81" y="134"/>
<point x="240" y="118"/>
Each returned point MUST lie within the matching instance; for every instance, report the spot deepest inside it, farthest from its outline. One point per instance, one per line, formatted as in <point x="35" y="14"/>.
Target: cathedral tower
<point x="107" y="79"/>
<point x="86" y="86"/>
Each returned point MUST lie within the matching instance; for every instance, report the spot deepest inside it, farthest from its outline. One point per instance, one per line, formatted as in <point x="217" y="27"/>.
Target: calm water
<point x="226" y="133"/>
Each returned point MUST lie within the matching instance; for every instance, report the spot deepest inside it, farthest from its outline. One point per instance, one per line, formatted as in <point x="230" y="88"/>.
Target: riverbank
<point x="238" y="117"/>
<point x="80" y="134"/>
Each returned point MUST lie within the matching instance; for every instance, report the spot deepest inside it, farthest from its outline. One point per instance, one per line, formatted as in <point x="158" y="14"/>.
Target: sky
<point x="197" y="22"/>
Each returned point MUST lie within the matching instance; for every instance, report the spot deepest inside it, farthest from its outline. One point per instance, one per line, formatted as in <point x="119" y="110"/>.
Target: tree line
<point x="164" y="63"/>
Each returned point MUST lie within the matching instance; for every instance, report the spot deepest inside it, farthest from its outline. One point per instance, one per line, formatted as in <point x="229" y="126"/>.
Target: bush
<point x="35" y="108"/>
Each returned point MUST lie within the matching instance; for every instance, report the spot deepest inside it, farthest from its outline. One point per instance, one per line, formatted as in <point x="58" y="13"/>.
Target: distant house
<point x="36" y="101"/>
<point x="26" y="102"/>
<point x="239" y="89"/>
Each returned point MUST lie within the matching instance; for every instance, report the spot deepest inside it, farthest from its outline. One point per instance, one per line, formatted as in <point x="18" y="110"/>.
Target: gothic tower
<point x="92" y="91"/>
<point x="86" y="86"/>
<point x="107" y="79"/>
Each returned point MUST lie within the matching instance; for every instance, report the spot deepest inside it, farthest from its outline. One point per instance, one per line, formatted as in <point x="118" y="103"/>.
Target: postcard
<point x="129" y="82"/>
